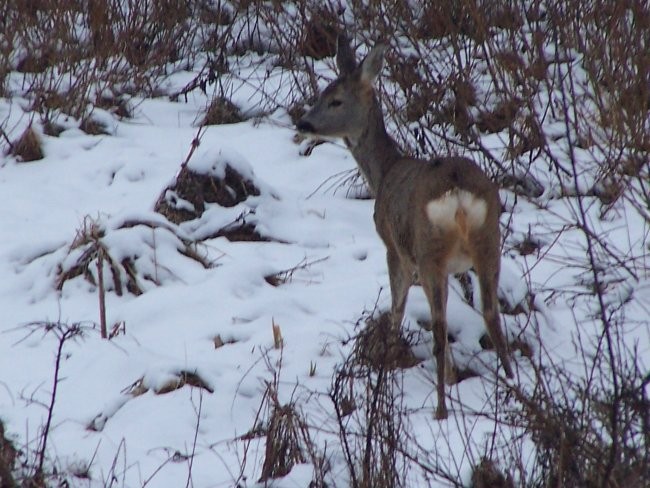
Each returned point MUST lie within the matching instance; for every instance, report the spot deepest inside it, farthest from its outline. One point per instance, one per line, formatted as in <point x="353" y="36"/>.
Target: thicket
<point x="552" y="98"/>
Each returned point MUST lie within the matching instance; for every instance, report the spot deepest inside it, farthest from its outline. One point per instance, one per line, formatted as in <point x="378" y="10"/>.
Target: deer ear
<point x="344" y="56"/>
<point x="372" y="64"/>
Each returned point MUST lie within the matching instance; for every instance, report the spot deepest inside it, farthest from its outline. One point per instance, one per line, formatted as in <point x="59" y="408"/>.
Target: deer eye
<point x="335" y="103"/>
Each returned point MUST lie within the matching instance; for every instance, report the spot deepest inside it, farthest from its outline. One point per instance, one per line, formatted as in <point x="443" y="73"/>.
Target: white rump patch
<point x="442" y="211"/>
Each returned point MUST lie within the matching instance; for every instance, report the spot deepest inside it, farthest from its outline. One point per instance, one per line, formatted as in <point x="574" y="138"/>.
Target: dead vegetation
<point x="177" y="380"/>
<point x="220" y="342"/>
<point x="286" y="433"/>
<point x="487" y="475"/>
<point x="594" y="438"/>
<point x="290" y="275"/>
<point x="379" y="346"/>
<point x="88" y="255"/>
<point x="93" y="127"/>
<point x="367" y="395"/>
<point x="117" y="105"/>
<point x="129" y="48"/>
<point x="173" y="381"/>
<point x="191" y="192"/>
<point x="8" y="456"/>
<point x="187" y="197"/>
<point x="28" y="147"/>
<point x="222" y="111"/>
<point x="239" y="230"/>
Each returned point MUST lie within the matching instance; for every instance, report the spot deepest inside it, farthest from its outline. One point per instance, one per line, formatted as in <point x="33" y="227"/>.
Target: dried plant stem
<point x="101" y="292"/>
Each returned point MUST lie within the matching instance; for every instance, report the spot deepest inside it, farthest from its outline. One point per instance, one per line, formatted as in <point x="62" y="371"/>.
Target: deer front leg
<point x="401" y="279"/>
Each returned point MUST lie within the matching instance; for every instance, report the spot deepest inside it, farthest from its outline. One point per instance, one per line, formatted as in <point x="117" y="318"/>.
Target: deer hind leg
<point x="487" y="269"/>
<point x="434" y="282"/>
<point x="401" y="279"/>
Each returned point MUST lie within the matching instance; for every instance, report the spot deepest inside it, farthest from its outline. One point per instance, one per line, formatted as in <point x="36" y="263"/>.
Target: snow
<point x="325" y="244"/>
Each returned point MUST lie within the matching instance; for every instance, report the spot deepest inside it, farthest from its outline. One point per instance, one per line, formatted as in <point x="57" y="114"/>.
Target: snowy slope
<point x="109" y="424"/>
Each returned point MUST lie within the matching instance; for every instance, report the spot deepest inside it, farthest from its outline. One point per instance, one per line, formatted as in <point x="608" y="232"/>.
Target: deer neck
<point x="373" y="149"/>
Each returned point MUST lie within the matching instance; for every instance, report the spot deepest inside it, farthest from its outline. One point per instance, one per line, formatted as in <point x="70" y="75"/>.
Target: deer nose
<point x="304" y="126"/>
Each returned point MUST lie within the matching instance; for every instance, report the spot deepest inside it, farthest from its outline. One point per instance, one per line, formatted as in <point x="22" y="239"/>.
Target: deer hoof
<point x="507" y="367"/>
<point x="441" y="412"/>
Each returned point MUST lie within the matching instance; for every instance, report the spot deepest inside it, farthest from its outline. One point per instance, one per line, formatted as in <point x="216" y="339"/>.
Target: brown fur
<point x="403" y="188"/>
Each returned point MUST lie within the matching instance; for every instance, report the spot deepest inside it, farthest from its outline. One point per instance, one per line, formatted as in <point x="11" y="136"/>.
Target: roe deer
<point x="435" y="217"/>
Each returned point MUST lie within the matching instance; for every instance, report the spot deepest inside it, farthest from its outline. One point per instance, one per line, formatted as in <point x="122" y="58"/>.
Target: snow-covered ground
<point x="114" y="423"/>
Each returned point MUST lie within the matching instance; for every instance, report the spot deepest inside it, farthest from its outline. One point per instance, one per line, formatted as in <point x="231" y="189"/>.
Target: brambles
<point x="367" y="398"/>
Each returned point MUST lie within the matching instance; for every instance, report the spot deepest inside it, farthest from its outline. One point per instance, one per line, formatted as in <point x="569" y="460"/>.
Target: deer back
<point x="420" y="203"/>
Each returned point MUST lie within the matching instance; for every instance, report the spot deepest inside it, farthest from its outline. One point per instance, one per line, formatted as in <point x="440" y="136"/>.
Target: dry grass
<point x="284" y="437"/>
<point x="381" y="347"/>
<point x="186" y="198"/>
<point x="93" y="127"/>
<point x="222" y="111"/>
<point x="94" y="257"/>
<point x="487" y="475"/>
<point x="117" y="105"/>
<point x="286" y="434"/>
<point x="28" y="147"/>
